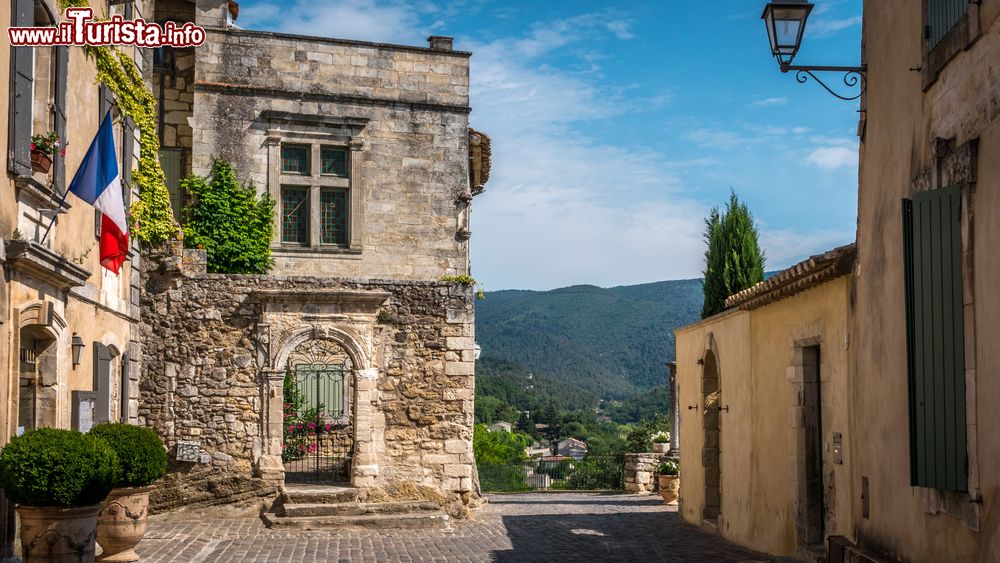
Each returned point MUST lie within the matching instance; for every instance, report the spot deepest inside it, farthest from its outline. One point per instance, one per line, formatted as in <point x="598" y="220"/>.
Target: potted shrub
<point x="670" y="481"/>
<point x="57" y="478"/>
<point x="121" y="523"/>
<point x="43" y="148"/>
<point x="661" y="442"/>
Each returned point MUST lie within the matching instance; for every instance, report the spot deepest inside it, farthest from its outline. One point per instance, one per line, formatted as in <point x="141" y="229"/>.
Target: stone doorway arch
<point x="341" y="324"/>
<point x="712" y="426"/>
<point x="318" y="413"/>
<point x="38" y="394"/>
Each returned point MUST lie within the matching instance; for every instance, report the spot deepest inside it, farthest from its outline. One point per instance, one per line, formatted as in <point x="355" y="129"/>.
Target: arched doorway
<point x="710" y="455"/>
<point x="38" y="379"/>
<point x="318" y="413"/>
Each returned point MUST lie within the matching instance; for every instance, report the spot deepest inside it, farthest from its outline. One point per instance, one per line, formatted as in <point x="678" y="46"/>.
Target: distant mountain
<point x="604" y="342"/>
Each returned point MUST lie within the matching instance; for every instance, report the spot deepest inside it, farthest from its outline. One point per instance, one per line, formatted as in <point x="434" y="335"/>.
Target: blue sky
<point x="617" y="126"/>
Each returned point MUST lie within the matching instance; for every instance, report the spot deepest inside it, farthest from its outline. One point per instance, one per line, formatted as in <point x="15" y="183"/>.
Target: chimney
<point x="440" y="42"/>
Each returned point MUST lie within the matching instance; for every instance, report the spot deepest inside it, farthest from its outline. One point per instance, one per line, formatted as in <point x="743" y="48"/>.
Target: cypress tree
<point x="733" y="259"/>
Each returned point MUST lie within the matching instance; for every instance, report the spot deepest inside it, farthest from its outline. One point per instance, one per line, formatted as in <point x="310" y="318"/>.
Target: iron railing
<point x="592" y="473"/>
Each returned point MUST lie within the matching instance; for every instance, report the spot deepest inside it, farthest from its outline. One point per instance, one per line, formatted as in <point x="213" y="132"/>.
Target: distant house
<point x="501" y="427"/>
<point x="571" y="447"/>
<point x="537" y="450"/>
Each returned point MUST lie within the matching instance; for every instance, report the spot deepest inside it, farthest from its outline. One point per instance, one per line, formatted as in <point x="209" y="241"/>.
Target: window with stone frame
<point x="334" y="161"/>
<point x="295" y="211"/>
<point x="334" y="216"/>
<point x="321" y="154"/>
<point x="316" y="185"/>
<point x="295" y="159"/>
<point x="942" y="16"/>
<point x="38" y="87"/>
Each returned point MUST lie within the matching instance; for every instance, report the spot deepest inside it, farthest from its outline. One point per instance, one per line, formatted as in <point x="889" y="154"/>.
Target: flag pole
<point x="58" y="212"/>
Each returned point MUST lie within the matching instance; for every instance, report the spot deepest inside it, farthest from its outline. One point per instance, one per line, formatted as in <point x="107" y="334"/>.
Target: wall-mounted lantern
<point x="78" y="347"/>
<point x="786" y="22"/>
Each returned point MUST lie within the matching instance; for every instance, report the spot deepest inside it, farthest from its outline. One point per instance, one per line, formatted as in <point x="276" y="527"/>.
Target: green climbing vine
<point x="151" y="219"/>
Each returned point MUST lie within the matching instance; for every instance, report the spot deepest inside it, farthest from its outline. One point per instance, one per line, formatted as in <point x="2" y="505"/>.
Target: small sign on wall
<point x="188" y="451"/>
<point x="84" y="410"/>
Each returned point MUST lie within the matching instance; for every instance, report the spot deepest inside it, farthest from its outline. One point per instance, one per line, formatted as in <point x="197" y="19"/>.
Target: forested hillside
<point x="598" y="343"/>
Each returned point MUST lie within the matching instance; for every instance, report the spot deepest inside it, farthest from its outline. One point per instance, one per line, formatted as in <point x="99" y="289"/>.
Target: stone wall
<point x="640" y="472"/>
<point x="209" y="385"/>
<point x="401" y="112"/>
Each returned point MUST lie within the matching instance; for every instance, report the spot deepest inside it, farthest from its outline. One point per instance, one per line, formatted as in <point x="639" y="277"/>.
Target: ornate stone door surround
<point x="347" y="317"/>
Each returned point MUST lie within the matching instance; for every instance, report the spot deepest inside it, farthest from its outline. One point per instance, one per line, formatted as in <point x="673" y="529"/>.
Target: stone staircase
<point x="337" y="508"/>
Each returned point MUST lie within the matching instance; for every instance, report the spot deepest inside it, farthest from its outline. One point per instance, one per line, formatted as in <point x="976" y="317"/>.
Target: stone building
<point x="920" y="439"/>
<point x="925" y="311"/>
<point x="762" y="393"/>
<point x="367" y="150"/>
<point x="68" y="328"/>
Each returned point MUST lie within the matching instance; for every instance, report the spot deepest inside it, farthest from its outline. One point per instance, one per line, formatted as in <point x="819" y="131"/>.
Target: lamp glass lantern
<point x="786" y="21"/>
<point x="78" y="347"/>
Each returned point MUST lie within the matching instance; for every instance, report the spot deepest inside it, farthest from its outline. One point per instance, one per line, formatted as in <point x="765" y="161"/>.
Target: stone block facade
<point x="398" y="114"/>
<point x="213" y="376"/>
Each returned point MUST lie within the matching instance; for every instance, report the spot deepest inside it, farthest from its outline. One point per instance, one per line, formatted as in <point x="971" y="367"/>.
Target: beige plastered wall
<point x="98" y="311"/>
<point x="759" y="468"/>
<point x="902" y="123"/>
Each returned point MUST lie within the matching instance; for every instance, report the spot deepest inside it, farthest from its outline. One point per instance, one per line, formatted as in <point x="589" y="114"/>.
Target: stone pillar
<point x="269" y="464"/>
<point x="675" y="416"/>
<point x="369" y="425"/>
<point x="640" y="473"/>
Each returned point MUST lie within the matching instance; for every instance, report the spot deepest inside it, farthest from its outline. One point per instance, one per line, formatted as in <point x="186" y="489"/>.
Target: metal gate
<point x="318" y="416"/>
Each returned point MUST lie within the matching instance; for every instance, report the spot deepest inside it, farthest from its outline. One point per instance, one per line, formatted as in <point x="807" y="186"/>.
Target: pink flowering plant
<point x="302" y="424"/>
<point x="48" y="143"/>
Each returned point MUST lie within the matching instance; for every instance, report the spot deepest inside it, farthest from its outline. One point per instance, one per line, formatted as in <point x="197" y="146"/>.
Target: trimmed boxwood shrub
<point x="140" y="452"/>
<point x="52" y="467"/>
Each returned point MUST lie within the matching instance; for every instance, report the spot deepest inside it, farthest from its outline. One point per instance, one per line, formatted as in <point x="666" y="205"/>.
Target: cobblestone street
<point x="529" y="527"/>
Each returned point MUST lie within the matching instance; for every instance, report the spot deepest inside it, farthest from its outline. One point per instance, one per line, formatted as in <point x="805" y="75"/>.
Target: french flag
<point x="98" y="182"/>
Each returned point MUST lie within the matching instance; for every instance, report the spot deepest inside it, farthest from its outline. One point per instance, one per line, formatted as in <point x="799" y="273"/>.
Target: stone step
<point x="320" y="494"/>
<point x="357" y="509"/>
<point x="415" y="521"/>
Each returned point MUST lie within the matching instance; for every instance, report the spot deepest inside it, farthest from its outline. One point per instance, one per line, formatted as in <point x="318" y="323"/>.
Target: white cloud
<point x="826" y="27"/>
<point x="366" y="20"/>
<point x="786" y="247"/>
<point x="716" y="138"/>
<point x="770" y="102"/>
<point x="561" y="207"/>
<point x="621" y="29"/>
<point x="833" y="157"/>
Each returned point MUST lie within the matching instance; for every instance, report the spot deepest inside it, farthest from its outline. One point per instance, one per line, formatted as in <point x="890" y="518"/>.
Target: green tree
<point x="229" y="221"/>
<point x="733" y="259"/>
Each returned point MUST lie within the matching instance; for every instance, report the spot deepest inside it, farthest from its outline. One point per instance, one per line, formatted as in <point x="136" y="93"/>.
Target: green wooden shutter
<point x="102" y="381"/>
<point x="22" y="72"/>
<point x="128" y="153"/>
<point x="62" y="77"/>
<point x="942" y="15"/>
<point x="935" y="339"/>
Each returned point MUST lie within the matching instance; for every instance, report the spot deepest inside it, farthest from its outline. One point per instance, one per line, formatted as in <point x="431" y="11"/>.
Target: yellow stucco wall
<point x="755" y="351"/>
<point x="902" y="123"/>
<point x="97" y="312"/>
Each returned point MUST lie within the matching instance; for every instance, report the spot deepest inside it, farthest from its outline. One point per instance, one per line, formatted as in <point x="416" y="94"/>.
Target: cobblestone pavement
<point x="511" y="528"/>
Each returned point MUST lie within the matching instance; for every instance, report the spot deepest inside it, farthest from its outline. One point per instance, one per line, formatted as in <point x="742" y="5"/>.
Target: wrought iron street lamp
<point x="77" y="345"/>
<point x="786" y="23"/>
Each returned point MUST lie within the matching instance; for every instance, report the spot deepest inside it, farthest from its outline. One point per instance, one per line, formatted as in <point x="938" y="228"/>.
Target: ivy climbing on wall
<point x="151" y="219"/>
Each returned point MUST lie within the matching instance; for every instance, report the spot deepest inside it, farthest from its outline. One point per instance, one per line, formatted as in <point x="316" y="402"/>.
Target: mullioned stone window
<point x="315" y="176"/>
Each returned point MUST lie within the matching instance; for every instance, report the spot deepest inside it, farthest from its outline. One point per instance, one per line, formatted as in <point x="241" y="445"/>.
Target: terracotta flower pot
<point x="121" y="523"/>
<point x="670" y="486"/>
<point x="40" y="162"/>
<point x="54" y="534"/>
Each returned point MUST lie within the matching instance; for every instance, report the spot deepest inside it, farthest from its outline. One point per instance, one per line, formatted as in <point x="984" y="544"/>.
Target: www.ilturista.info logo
<point x="80" y="29"/>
